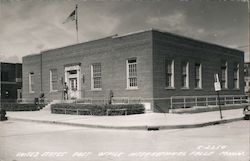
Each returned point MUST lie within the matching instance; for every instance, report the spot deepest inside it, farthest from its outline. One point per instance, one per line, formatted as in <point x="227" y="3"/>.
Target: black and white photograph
<point x="124" y="80"/>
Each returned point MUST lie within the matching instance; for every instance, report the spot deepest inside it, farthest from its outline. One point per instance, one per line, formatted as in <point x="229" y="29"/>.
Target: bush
<point x="19" y="107"/>
<point x="114" y="109"/>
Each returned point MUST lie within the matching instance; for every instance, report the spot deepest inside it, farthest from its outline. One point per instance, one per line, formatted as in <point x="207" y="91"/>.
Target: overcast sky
<point x="29" y="26"/>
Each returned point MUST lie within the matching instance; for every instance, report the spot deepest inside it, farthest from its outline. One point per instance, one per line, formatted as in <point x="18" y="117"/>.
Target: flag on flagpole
<point x="71" y="17"/>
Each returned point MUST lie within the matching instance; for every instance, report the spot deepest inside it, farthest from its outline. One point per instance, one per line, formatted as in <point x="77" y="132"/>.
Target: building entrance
<point x="72" y="78"/>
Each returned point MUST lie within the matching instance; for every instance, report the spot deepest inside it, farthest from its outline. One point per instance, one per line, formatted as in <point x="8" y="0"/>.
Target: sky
<point x="31" y="26"/>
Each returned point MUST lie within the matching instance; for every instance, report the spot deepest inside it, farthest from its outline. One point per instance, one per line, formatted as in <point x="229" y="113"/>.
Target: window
<point x="131" y="73"/>
<point x="31" y="82"/>
<point x="73" y="84"/>
<point x="185" y="75"/>
<point x="169" y="71"/>
<point x="223" y="80"/>
<point x="96" y="75"/>
<point x="4" y="76"/>
<point x="53" y="80"/>
<point x="236" y="76"/>
<point x="198" y="76"/>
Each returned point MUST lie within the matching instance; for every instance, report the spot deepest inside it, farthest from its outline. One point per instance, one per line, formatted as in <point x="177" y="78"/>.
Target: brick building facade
<point x="10" y="81"/>
<point x="147" y="65"/>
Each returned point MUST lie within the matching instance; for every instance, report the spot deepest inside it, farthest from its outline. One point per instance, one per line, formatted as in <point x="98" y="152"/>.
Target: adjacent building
<point x="149" y="65"/>
<point x="10" y="81"/>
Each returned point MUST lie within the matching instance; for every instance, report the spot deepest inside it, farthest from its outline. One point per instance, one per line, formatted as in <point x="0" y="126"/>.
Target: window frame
<point x="31" y="82"/>
<point x="200" y="76"/>
<point x="225" y="67"/>
<point x="128" y="74"/>
<point x="51" y="81"/>
<point x="237" y="68"/>
<point x="172" y="75"/>
<point x="186" y="75"/>
<point x="93" y="77"/>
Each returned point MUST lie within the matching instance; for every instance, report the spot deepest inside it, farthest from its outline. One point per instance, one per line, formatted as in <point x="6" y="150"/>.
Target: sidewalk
<point x="136" y="122"/>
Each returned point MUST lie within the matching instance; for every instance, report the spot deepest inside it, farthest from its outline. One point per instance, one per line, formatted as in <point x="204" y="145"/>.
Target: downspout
<point x="41" y="69"/>
<point x="152" y="76"/>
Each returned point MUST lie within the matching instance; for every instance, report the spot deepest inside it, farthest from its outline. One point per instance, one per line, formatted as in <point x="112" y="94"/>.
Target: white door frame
<point x="77" y="93"/>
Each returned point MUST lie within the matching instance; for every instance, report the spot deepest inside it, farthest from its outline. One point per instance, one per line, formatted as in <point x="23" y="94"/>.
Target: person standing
<point x="65" y="91"/>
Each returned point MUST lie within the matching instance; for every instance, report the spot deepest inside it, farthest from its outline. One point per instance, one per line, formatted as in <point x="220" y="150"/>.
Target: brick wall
<point x="31" y="64"/>
<point x="111" y="52"/>
<point x="168" y="46"/>
<point x="151" y="48"/>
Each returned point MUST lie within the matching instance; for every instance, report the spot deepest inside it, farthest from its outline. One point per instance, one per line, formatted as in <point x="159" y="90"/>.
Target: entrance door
<point x="72" y="78"/>
<point x="73" y="88"/>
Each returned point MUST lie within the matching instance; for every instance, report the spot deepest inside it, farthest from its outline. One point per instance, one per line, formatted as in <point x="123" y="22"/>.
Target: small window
<point x="132" y="73"/>
<point x="31" y="82"/>
<point x="185" y="75"/>
<point x="169" y="72"/>
<point x="198" y="75"/>
<point x="73" y="72"/>
<point x="53" y="80"/>
<point x="223" y="80"/>
<point x="236" y="76"/>
<point x="96" y="75"/>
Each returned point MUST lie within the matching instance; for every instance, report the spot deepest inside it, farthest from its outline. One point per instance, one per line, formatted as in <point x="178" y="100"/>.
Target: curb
<point x="149" y="128"/>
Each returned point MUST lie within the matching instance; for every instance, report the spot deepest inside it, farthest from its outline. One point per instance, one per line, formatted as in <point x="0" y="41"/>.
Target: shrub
<point x="71" y="108"/>
<point x="19" y="107"/>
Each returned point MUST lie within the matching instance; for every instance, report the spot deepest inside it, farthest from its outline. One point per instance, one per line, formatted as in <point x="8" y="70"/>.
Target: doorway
<point x="72" y="78"/>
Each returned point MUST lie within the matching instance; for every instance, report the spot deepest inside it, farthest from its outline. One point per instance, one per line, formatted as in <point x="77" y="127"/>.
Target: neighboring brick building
<point x="11" y="81"/>
<point x="247" y="77"/>
<point x="147" y="65"/>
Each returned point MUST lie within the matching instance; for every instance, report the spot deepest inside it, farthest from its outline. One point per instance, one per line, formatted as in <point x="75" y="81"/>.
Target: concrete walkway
<point x="136" y="122"/>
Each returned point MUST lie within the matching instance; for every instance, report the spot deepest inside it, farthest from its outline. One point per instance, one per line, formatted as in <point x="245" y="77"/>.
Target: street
<point x="27" y="141"/>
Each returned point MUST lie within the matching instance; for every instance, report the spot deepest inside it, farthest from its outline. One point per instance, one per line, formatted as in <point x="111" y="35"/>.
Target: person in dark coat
<point x="65" y="91"/>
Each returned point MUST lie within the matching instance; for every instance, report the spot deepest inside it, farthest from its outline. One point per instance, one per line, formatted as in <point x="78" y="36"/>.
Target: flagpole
<point x="77" y="24"/>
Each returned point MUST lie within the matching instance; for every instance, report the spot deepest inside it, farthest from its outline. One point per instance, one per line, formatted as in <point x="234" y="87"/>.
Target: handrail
<point x="206" y="100"/>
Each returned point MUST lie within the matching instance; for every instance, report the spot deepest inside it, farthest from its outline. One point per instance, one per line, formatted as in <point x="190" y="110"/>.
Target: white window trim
<point x="226" y="77"/>
<point x="127" y="71"/>
<point x="31" y="91"/>
<point x="238" y="77"/>
<point x="92" y="80"/>
<point x="187" y="76"/>
<point x="200" y="77"/>
<point x="172" y="77"/>
<point x="50" y="81"/>
<point x="200" y="72"/>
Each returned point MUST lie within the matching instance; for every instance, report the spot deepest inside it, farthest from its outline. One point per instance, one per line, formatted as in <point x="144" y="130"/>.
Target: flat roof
<point x="133" y="33"/>
<point x="10" y="63"/>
